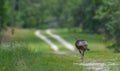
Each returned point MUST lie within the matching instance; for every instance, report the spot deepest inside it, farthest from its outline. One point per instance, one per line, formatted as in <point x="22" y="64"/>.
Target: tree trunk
<point x="12" y="16"/>
<point x="2" y="18"/>
<point x="0" y="36"/>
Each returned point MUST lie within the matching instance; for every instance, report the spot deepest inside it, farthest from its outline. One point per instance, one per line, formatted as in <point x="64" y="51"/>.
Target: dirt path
<point x="61" y="40"/>
<point x="53" y="46"/>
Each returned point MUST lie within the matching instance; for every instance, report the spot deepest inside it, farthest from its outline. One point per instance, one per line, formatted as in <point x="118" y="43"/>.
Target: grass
<point x="98" y="52"/>
<point x="60" y="46"/>
<point x="29" y="53"/>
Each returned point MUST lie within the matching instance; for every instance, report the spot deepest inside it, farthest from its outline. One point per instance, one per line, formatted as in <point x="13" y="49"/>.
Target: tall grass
<point x="13" y="55"/>
<point x="26" y="52"/>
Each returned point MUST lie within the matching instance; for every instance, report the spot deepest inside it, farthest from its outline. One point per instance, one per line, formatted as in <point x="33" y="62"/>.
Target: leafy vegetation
<point x="1" y="18"/>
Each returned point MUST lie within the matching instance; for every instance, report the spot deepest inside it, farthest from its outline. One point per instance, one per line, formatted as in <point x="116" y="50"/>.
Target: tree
<point x="109" y="14"/>
<point x="2" y="17"/>
<point x="85" y="15"/>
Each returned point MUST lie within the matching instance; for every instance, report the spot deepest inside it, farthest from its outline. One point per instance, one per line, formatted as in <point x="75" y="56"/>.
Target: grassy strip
<point x="96" y="44"/>
<point x="29" y="53"/>
<point x="60" y="46"/>
<point x="34" y="43"/>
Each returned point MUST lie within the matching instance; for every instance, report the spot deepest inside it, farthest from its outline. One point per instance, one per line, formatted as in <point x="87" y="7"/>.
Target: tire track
<point x="53" y="46"/>
<point x="61" y="40"/>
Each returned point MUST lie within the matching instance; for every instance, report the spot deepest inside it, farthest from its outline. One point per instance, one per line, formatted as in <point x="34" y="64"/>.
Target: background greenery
<point x="94" y="16"/>
<point x="96" y="21"/>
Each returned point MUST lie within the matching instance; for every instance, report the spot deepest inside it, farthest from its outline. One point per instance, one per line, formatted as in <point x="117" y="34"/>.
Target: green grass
<point x="29" y="53"/>
<point x="60" y="46"/>
<point x="33" y="42"/>
<point x="98" y="51"/>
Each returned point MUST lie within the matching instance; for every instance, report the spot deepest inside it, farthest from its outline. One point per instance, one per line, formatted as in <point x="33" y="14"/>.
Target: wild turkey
<point x="82" y="46"/>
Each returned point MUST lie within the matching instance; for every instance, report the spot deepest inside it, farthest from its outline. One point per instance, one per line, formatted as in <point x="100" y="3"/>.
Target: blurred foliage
<point x="2" y="17"/>
<point x="109" y="14"/>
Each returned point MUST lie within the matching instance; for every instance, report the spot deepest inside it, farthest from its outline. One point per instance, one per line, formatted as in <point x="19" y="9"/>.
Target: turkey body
<point x="81" y="45"/>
